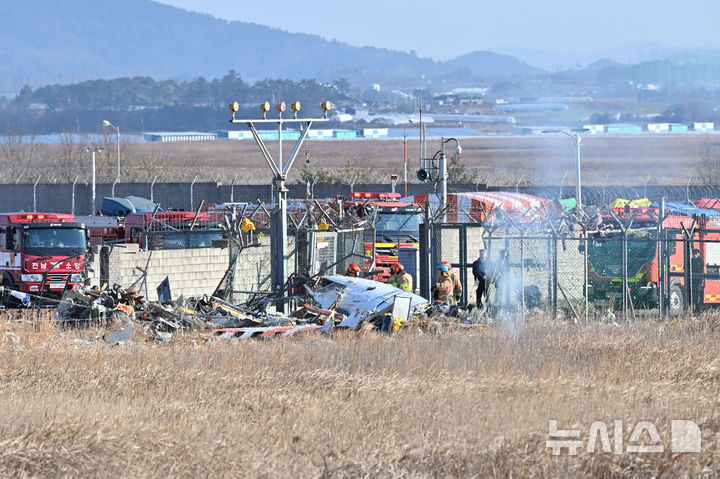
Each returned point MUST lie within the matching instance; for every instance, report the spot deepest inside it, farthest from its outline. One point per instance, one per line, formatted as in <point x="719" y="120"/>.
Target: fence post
<point x="661" y="261"/>
<point x="522" y="275"/>
<point x="35" y="194"/>
<point x="425" y="254"/>
<point x="232" y="189"/>
<point x="463" y="262"/>
<point x="192" y="186"/>
<point x="555" y="275"/>
<point x="585" y="274"/>
<point x="152" y="189"/>
<point x="624" y="275"/>
<point x="72" y="207"/>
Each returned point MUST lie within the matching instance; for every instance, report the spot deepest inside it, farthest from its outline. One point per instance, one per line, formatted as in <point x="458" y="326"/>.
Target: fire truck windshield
<point x="605" y="254"/>
<point x="394" y="223"/>
<point x="52" y="241"/>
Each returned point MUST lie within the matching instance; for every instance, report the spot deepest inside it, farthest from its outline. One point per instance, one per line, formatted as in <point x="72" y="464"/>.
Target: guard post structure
<point x="280" y="169"/>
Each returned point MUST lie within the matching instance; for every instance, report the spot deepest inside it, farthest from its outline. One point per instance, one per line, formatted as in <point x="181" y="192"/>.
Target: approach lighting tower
<point x="280" y="170"/>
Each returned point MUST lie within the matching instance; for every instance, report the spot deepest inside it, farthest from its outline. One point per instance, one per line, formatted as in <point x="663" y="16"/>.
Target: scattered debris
<point x="327" y="302"/>
<point x="118" y="337"/>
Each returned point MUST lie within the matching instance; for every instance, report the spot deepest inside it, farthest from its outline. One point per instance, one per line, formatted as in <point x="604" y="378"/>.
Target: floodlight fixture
<point x="265" y="107"/>
<point x="326" y="106"/>
<point x="234" y="108"/>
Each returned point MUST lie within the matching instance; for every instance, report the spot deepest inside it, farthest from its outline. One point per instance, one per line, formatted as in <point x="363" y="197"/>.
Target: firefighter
<point x="443" y="287"/>
<point x="479" y="270"/>
<point x="457" y="285"/>
<point x="353" y="270"/>
<point x="399" y="278"/>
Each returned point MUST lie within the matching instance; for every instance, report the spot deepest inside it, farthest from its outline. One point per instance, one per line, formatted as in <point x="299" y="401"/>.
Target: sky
<point x="445" y="29"/>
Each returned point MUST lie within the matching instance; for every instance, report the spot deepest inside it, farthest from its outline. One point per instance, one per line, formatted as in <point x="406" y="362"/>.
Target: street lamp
<point x="117" y="132"/>
<point x="93" y="150"/>
<point x="577" y="135"/>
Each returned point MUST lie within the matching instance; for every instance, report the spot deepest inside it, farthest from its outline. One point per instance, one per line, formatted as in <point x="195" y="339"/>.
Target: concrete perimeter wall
<point x="192" y="272"/>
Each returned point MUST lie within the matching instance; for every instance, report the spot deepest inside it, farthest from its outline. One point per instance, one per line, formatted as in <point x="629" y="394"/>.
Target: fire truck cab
<point x="397" y="226"/>
<point x="41" y="252"/>
<point x="681" y="234"/>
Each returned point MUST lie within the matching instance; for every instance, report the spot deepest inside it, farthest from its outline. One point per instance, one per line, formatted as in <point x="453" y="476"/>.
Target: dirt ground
<point x="469" y="403"/>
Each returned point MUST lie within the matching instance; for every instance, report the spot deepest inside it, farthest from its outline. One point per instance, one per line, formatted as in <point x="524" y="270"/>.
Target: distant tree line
<point x="143" y="103"/>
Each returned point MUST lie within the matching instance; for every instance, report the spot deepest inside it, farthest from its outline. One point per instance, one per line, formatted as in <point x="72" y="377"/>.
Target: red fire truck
<point x="397" y="226"/>
<point x="643" y="259"/>
<point x="41" y="252"/>
<point x="162" y="230"/>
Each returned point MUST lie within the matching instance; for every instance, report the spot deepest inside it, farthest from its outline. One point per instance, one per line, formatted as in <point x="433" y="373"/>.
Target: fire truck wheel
<point x="676" y="301"/>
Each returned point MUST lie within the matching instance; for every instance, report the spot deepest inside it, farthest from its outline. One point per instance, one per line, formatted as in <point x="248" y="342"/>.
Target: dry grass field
<point x="497" y="160"/>
<point x="457" y="404"/>
<point x="502" y="161"/>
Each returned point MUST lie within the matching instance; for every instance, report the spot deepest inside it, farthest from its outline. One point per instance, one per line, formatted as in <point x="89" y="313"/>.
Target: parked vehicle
<point x="41" y="253"/>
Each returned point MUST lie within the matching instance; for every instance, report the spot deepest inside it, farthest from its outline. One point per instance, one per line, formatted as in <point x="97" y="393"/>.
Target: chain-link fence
<point x="627" y="268"/>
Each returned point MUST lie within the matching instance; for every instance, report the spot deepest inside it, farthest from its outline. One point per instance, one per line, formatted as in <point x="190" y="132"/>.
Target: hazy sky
<point x="445" y="29"/>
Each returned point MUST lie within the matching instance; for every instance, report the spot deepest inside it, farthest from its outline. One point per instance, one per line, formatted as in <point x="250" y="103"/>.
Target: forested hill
<point x="67" y="41"/>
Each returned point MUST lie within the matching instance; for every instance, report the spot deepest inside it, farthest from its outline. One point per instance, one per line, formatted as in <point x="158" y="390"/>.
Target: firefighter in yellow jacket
<point x="457" y="285"/>
<point x="443" y="287"/>
<point x="399" y="278"/>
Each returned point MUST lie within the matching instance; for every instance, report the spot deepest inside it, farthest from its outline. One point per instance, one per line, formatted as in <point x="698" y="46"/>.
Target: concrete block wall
<point x="192" y="272"/>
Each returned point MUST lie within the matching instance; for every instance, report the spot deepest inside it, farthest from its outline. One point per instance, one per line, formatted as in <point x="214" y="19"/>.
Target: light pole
<point x="577" y="135"/>
<point x="443" y="171"/>
<point x="93" y="150"/>
<point x="117" y="132"/>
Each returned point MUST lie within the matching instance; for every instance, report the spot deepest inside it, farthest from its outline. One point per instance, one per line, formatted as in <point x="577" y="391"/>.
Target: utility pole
<point x="278" y="220"/>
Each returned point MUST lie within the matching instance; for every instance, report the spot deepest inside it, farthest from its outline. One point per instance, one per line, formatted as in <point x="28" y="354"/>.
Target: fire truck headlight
<point x="32" y="278"/>
<point x="76" y="278"/>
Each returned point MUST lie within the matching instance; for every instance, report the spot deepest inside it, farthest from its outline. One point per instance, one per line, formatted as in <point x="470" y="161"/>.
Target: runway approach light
<point x="295" y="108"/>
<point x="280" y="108"/>
<point x="265" y="107"/>
<point x="234" y="108"/>
<point x="326" y="106"/>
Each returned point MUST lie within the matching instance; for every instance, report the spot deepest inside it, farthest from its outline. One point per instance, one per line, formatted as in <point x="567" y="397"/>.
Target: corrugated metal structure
<point x="319" y="134"/>
<point x="595" y="129"/>
<point x="168" y="136"/>
<point x="704" y="126"/>
<point x="624" y="129"/>
<point x="344" y="134"/>
<point x="374" y="132"/>
<point x="658" y="127"/>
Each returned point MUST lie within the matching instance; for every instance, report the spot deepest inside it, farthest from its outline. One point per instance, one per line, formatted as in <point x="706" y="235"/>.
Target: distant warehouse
<point x="168" y="136"/>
